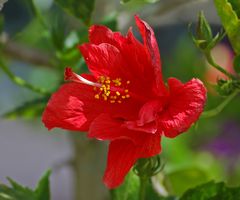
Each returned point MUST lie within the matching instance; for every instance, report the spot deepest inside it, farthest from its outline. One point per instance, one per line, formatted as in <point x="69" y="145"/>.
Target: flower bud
<point x="204" y="39"/>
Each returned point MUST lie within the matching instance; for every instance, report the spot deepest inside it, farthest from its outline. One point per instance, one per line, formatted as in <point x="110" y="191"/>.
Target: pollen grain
<point x="111" y="90"/>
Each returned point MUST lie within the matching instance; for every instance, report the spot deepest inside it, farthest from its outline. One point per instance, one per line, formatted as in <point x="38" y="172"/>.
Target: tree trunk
<point x="89" y="163"/>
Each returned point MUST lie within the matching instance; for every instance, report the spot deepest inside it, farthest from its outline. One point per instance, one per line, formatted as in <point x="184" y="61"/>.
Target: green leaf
<point x="236" y="64"/>
<point x="212" y="191"/>
<point x="236" y="6"/>
<point x="182" y="180"/>
<point x="128" y="190"/>
<point x="42" y="190"/>
<point x="16" y="192"/>
<point x="79" y="8"/>
<point x="228" y="10"/>
<point x="29" y="110"/>
<point x="19" y="192"/>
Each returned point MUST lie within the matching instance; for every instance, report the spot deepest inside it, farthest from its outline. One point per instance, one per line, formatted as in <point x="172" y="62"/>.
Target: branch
<point x="29" y="55"/>
<point x="172" y="5"/>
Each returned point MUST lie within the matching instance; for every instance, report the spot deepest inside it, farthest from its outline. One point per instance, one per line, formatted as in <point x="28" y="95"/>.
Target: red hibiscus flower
<point x="124" y="99"/>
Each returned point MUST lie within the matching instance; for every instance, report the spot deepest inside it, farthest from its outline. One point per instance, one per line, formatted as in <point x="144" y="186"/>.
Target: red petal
<point x="106" y="128"/>
<point x="67" y="108"/>
<point x="114" y="55"/>
<point x="101" y="59"/>
<point x="73" y="107"/>
<point x="150" y="147"/>
<point x="122" y="155"/>
<point x="151" y="45"/>
<point x="186" y="103"/>
<point x="101" y="34"/>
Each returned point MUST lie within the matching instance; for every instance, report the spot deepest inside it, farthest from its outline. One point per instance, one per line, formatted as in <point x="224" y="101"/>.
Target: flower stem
<point x="17" y="80"/>
<point x="220" y="107"/>
<point x="143" y="187"/>
<point x="218" y="67"/>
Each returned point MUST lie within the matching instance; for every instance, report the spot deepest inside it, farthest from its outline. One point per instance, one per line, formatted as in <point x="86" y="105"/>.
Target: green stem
<point x="37" y="14"/>
<point x="19" y="81"/>
<point x="143" y="187"/>
<point x="218" y="67"/>
<point x="219" y="108"/>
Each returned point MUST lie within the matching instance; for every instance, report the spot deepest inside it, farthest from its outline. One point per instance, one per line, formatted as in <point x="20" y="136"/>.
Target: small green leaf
<point x="42" y="190"/>
<point x="79" y="8"/>
<point x="128" y="190"/>
<point x="16" y="192"/>
<point x="228" y="10"/>
<point x="19" y="192"/>
<point x="212" y="191"/>
<point x="182" y="180"/>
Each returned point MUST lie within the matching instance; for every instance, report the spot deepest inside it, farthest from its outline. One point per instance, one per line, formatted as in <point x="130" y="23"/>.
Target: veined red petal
<point x="106" y="60"/>
<point x="68" y="108"/>
<point x="105" y="127"/>
<point x="186" y="103"/>
<point x="151" y="45"/>
<point x="122" y="155"/>
<point x="73" y="107"/>
<point x="101" y="34"/>
<point x="101" y="59"/>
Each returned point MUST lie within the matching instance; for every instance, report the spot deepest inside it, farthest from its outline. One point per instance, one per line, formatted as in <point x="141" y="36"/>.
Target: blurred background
<point x="36" y="46"/>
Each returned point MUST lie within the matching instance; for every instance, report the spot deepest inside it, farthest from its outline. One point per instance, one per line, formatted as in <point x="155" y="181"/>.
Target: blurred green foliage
<point x="188" y="164"/>
<point x="19" y="192"/>
<point x="81" y="9"/>
<point x="212" y="191"/>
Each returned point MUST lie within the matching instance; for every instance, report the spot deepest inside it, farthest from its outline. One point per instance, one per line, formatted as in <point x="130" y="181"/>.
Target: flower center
<point x="114" y="90"/>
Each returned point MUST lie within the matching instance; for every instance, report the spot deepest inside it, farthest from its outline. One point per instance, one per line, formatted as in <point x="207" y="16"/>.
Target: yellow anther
<point x="104" y="92"/>
<point x="96" y="96"/>
<point x="108" y="93"/>
<point x="104" y="97"/>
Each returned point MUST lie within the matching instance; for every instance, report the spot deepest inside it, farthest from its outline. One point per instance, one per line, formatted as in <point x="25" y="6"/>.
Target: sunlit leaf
<point x="212" y="191"/>
<point x="228" y="10"/>
<point x="182" y="180"/>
